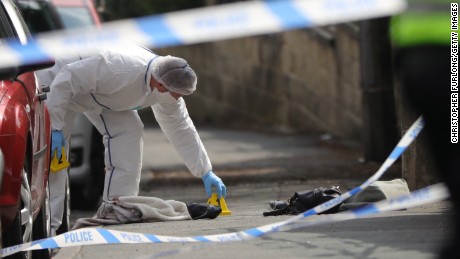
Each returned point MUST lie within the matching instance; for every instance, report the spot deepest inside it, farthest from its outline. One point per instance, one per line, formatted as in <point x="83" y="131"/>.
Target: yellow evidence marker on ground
<point x="57" y="164"/>
<point x="213" y="200"/>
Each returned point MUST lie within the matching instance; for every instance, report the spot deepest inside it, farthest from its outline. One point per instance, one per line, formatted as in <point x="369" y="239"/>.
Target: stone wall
<point x="297" y="81"/>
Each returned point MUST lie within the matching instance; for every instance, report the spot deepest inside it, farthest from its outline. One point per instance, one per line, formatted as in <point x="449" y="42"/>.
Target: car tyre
<point x="42" y="227"/>
<point x="20" y="230"/>
<point x="2" y="164"/>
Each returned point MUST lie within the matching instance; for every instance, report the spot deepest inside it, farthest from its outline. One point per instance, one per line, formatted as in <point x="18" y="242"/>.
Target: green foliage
<point x="122" y="9"/>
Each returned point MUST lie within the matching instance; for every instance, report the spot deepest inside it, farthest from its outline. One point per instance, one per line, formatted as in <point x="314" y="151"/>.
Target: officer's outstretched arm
<point x="176" y="124"/>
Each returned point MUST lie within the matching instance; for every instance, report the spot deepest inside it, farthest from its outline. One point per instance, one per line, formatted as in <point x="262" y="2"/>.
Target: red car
<point x="25" y="136"/>
<point x="87" y="170"/>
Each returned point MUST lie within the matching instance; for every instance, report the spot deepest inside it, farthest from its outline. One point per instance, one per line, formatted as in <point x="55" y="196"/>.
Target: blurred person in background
<point x="421" y="38"/>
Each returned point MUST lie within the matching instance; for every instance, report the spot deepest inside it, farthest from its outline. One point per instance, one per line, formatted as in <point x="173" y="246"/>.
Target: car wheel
<point x="42" y="226"/>
<point x="20" y="230"/>
<point x="65" y="225"/>
<point x="1" y="178"/>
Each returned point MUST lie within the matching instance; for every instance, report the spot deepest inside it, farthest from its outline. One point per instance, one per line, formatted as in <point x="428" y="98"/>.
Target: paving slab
<point x="258" y="167"/>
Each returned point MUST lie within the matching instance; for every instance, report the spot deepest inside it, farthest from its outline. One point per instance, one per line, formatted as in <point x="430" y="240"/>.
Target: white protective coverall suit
<point x="108" y="87"/>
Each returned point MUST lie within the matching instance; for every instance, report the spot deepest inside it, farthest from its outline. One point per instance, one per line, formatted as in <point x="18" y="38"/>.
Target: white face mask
<point x="165" y="97"/>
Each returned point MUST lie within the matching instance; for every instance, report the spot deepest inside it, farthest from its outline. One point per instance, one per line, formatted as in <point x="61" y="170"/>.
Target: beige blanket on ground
<point x="377" y="191"/>
<point x="131" y="209"/>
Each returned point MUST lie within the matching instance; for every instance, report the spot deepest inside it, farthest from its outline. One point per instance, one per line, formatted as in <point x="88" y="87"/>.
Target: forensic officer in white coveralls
<point x="108" y="87"/>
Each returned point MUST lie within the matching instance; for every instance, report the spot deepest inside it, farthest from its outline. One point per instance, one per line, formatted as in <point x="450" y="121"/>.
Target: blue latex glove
<point x="210" y="179"/>
<point x="57" y="142"/>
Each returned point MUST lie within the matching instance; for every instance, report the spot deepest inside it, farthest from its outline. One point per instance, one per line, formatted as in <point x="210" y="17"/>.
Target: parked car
<point x="25" y="135"/>
<point x="86" y="148"/>
<point x="2" y="163"/>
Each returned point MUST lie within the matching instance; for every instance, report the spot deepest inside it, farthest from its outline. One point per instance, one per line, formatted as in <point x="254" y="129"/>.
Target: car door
<point x="38" y="116"/>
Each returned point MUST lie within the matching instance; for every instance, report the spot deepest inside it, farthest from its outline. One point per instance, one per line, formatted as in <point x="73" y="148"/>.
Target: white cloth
<point x="377" y="191"/>
<point x="108" y="87"/>
<point x="132" y="209"/>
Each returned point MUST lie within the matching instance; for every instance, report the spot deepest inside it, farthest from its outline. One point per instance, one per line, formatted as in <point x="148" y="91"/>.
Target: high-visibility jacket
<point x="425" y="22"/>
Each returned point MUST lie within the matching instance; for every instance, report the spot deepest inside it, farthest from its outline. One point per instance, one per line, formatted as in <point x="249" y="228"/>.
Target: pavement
<point x="258" y="167"/>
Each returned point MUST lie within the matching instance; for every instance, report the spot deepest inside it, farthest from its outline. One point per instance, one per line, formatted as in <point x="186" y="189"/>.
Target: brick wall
<point x="302" y="80"/>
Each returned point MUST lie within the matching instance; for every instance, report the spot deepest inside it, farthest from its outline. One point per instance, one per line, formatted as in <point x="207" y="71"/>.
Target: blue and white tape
<point x="202" y="25"/>
<point x="430" y="194"/>
<point x="97" y="236"/>
<point x="199" y="25"/>
<point x="402" y="145"/>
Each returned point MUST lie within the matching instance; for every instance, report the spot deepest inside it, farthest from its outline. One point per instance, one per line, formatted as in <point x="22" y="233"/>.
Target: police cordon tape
<point x="198" y="25"/>
<point x="430" y="194"/>
<point x="97" y="236"/>
<point x="433" y="193"/>
<point x="204" y="25"/>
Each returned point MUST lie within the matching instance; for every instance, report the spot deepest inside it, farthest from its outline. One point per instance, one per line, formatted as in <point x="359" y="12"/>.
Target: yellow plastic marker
<point x="213" y="200"/>
<point x="57" y="164"/>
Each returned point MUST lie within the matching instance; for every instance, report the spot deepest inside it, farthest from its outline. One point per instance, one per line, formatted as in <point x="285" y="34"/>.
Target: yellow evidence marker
<point x="213" y="200"/>
<point x="57" y="164"/>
